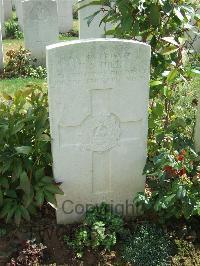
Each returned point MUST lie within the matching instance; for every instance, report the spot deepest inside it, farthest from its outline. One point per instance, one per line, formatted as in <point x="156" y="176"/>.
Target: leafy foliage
<point x="31" y="254"/>
<point x="100" y="229"/>
<point x="164" y="25"/>
<point x="148" y="246"/>
<point x="20" y="64"/>
<point x="174" y="185"/>
<point x="25" y="155"/>
<point x="12" y="29"/>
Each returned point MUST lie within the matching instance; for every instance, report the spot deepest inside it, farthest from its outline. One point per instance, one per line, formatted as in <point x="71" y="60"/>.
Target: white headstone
<point x="98" y="97"/>
<point x="7" y="9"/>
<point x="65" y="15"/>
<point x="2" y="18"/>
<point x="40" y="27"/>
<point x="94" y="30"/>
<point x="1" y="51"/>
<point x="18" y="6"/>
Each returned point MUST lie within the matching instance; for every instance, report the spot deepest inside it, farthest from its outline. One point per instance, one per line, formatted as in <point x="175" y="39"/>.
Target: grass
<point x="10" y="86"/>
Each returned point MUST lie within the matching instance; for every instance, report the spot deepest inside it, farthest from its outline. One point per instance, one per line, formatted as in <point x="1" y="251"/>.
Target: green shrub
<point x="20" y="64"/>
<point x="12" y="29"/>
<point x="148" y="246"/>
<point x="100" y="229"/>
<point x="163" y="25"/>
<point x="25" y="155"/>
<point x="174" y="185"/>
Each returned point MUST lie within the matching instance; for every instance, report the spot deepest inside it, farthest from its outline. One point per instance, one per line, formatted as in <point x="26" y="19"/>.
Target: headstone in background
<point x="65" y="15"/>
<point x="40" y="22"/>
<point x="93" y="30"/>
<point x="7" y="9"/>
<point x="98" y="98"/>
<point x="1" y="51"/>
<point x="18" y="6"/>
<point x="2" y="18"/>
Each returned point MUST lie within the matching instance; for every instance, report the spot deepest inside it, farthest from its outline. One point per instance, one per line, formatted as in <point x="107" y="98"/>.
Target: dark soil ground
<point x="44" y="229"/>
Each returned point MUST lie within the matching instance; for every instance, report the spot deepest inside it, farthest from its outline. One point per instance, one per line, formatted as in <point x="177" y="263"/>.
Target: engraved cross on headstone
<point x="99" y="133"/>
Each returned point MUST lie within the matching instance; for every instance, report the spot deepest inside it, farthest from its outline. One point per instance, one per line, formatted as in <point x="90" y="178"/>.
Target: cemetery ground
<point x="168" y="233"/>
<point x="70" y="245"/>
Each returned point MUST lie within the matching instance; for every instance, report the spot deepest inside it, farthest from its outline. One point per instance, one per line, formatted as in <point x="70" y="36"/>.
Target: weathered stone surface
<point x="93" y="30"/>
<point x="18" y="6"/>
<point x="2" y="18"/>
<point x="40" y="27"/>
<point x="65" y="15"/>
<point x="98" y="97"/>
<point x="1" y="50"/>
<point x="7" y="9"/>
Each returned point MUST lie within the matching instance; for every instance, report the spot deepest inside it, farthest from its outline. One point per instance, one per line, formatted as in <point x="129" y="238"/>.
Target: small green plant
<point x="174" y="185"/>
<point x="12" y="29"/>
<point x="148" y="246"/>
<point x="26" y="180"/>
<point x="20" y="64"/>
<point x="100" y="229"/>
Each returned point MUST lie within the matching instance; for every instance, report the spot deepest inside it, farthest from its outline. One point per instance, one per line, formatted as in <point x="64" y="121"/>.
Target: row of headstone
<point x="64" y="9"/>
<point x="65" y="18"/>
<point x="41" y="24"/>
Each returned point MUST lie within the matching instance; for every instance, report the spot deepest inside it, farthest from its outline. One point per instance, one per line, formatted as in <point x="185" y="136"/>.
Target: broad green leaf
<point x="155" y="83"/>
<point x="178" y="14"/>
<point x="11" y="194"/>
<point x="25" y="213"/>
<point x="1" y="197"/>
<point x="44" y="137"/>
<point x="54" y="189"/>
<point x="47" y="180"/>
<point x="6" y="208"/>
<point x="50" y="198"/>
<point x="18" y="216"/>
<point x="172" y="75"/>
<point x="170" y="40"/>
<point x="11" y="213"/>
<point x="4" y="182"/>
<point x="7" y="96"/>
<point x="24" y="150"/>
<point x="155" y="15"/>
<point x="25" y="182"/>
<point x="39" y="197"/>
<point x="169" y="50"/>
<point x="17" y="128"/>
